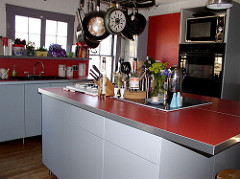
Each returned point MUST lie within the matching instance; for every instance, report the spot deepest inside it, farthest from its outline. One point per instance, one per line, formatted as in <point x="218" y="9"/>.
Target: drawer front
<point x="88" y="121"/>
<point x="134" y="140"/>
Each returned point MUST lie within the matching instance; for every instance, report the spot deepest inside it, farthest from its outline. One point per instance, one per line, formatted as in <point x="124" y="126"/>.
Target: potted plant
<point x="30" y="48"/>
<point x="41" y="52"/>
<point x="19" y="47"/>
<point x="57" y="51"/>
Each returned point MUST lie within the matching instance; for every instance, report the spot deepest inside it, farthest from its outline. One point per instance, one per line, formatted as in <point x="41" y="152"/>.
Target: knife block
<point x="109" y="90"/>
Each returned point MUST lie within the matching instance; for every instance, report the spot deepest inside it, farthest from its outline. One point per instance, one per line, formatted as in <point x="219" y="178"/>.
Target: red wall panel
<point x="163" y="38"/>
<point x="50" y="65"/>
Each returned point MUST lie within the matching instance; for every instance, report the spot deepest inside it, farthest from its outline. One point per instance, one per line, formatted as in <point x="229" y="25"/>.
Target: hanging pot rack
<point x="133" y="3"/>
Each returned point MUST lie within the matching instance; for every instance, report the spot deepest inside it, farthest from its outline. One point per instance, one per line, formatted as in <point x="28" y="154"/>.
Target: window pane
<point x="50" y="40"/>
<point x="21" y="24"/>
<point x="36" y="39"/>
<point x="51" y="27"/>
<point x="34" y="25"/>
<point x="106" y="46"/>
<point x="62" y="41"/>
<point x="22" y="36"/>
<point x="62" y="29"/>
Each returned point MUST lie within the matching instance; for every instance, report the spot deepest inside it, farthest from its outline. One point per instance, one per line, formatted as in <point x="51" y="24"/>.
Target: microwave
<point x="205" y="29"/>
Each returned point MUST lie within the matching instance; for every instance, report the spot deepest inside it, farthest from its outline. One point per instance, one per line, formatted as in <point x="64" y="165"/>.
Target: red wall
<point x="163" y="38"/>
<point x="51" y="65"/>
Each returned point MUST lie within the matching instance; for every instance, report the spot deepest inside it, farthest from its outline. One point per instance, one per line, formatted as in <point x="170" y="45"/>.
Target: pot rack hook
<point x="81" y="3"/>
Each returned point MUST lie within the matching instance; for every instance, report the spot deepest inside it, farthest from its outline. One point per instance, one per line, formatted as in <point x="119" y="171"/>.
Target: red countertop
<point x="210" y="124"/>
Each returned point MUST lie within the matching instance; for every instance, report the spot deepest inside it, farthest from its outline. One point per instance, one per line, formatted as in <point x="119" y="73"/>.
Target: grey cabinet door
<point x="121" y="164"/>
<point x="69" y="150"/>
<point x="33" y="107"/>
<point x="11" y="112"/>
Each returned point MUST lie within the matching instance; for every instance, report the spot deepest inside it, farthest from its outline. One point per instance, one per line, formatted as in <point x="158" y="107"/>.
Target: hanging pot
<point x="93" y="24"/>
<point x="136" y="23"/>
<point x="80" y="36"/>
<point x="115" y="20"/>
<point x="125" y="32"/>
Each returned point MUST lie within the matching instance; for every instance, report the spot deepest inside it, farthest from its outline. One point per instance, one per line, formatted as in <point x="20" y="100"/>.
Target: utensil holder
<point x="109" y="90"/>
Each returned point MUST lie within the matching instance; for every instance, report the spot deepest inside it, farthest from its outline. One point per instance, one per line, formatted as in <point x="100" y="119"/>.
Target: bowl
<point x="69" y="54"/>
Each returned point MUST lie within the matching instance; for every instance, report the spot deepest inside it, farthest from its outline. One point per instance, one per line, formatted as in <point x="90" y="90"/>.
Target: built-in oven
<point x="202" y="65"/>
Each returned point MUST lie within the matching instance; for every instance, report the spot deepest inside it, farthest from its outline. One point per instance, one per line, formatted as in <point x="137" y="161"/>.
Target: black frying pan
<point x="125" y="32"/>
<point x="93" y="25"/>
<point x="136" y="23"/>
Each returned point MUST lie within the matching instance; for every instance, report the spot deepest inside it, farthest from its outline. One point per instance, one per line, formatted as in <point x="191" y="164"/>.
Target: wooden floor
<point x="24" y="161"/>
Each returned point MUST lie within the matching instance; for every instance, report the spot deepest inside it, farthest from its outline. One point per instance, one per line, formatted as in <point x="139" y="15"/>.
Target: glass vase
<point x="158" y="94"/>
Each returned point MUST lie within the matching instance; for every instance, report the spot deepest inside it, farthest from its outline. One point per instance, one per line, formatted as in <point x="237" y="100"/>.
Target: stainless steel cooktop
<point x="186" y="103"/>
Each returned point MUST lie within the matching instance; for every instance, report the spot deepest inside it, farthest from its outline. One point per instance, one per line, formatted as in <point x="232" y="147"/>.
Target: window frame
<point x="12" y="10"/>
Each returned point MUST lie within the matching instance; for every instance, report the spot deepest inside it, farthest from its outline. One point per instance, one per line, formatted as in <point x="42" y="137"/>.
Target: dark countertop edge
<point x="12" y="82"/>
<point x="197" y="146"/>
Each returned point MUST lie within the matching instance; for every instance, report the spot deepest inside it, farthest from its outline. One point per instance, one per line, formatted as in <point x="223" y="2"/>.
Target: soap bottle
<point x="14" y="72"/>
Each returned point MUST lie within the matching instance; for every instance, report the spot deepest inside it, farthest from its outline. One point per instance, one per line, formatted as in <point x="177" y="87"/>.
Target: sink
<point x="38" y="78"/>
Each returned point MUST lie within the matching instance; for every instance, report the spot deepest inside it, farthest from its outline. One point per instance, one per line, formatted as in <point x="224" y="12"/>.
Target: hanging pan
<point x="136" y="23"/>
<point x="115" y="20"/>
<point x="93" y="24"/>
<point x="80" y="36"/>
<point x="125" y="32"/>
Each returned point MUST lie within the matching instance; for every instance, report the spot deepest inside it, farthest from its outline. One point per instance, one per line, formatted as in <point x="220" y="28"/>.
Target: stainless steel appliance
<point x="203" y="67"/>
<point x="205" y="29"/>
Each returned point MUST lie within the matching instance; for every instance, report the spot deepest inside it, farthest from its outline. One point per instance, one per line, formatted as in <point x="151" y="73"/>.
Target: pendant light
<point x="219" y="4"/>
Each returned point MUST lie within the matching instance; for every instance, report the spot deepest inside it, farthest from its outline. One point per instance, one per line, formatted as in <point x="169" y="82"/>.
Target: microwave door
<point x="201" y="29"/>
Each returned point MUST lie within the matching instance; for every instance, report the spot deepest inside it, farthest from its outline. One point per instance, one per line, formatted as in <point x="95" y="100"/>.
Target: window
<point x="105" y="49"/>
<point x="28" y="28"/>
<point x="41" y="27"/>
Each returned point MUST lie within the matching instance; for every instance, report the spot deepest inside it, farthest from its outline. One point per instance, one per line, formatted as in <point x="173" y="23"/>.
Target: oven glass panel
<point x="200" y="71"/>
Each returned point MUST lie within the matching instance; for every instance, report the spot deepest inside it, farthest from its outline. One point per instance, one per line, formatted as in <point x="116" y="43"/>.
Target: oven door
<point x="202" y="73"/>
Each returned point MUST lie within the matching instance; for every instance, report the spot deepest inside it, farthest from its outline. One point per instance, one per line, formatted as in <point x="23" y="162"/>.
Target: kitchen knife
<point x="95" y="78"/>
<point x="97" y="70"/>
<point x="94" y="73"/>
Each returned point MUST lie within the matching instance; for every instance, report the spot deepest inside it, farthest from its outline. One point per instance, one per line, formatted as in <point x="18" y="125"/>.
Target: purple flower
<point x="166" y="72"/>
<point x="57" y="51"/>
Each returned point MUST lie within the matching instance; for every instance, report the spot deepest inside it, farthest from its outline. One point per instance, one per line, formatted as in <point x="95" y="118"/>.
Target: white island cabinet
<point x="85" y="141"/>
<point x="11" y="112"/>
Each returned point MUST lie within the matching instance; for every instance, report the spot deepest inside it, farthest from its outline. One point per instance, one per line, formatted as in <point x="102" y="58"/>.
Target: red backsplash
<point x="50" y="65"/>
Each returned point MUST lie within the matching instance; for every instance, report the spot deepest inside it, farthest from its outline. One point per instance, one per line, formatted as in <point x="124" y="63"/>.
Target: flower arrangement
<point x="57" y="51"/>
<point x="19" y="43"/>
<point x="160" y="73"/>
<point x="30" y="48"/>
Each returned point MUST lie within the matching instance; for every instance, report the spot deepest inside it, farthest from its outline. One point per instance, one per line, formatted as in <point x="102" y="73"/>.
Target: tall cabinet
<point x="230" y="88"/>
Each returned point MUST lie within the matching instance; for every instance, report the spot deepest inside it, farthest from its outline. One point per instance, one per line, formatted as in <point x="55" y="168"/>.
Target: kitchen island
<point x="87" y="137"/>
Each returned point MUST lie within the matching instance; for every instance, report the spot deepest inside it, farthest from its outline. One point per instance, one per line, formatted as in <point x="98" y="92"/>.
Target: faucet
<point x="34" y="69"/>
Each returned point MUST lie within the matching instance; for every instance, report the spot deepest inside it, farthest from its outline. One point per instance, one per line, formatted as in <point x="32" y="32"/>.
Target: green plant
<point x="30" y="45"/>
<point x="19" y="41"/>
<point x="42" y="49"/>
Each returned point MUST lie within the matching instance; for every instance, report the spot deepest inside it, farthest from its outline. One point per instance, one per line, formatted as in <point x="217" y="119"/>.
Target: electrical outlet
<point x="75" y="67"/>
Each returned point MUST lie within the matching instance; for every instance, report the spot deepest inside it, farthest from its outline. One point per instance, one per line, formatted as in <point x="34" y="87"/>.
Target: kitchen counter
<point x="208" y="129"/>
